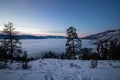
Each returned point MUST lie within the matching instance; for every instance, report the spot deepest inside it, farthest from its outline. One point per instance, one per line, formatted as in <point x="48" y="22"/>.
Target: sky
<point x="53" y="17"/>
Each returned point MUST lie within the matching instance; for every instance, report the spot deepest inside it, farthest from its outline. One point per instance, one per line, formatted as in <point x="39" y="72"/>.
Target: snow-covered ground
<point x="55" y="69"/>
<point x="35" y="47"/>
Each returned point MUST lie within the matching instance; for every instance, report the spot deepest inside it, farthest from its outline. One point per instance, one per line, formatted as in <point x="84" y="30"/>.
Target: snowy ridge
<point x="110" y="34"/>
<point x="55" y="69"/>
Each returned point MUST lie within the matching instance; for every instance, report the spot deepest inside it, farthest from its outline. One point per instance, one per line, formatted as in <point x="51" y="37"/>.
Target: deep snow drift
<point x="55" y="69"/>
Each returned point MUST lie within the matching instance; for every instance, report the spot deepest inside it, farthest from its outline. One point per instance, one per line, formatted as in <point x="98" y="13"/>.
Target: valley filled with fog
<point x="36" y="47"/>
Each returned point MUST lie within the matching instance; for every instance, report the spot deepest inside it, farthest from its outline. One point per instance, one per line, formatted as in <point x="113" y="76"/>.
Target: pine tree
<point x="73" y="44"/>
<point x="25" y="60"/>
<point x="103" y="49"/>
<point x="3" y="55"/>
<point x="109" y="49"/>
<point x="11" y="43"/>
<point x="114" y="49"/>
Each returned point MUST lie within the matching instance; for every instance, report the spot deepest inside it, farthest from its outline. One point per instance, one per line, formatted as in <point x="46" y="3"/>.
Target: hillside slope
<point x="55" y="69"/>
<point x="110" y="34"/>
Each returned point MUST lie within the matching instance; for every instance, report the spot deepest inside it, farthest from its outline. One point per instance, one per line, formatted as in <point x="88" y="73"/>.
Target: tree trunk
<point x="11" y="45"/>
<point x="73" y="50"/>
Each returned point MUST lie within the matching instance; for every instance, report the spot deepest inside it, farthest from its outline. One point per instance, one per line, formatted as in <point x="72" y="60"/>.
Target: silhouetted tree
<point x="85" y="53"/>
<point x="25" y="60"/>
<point x="3" y="55"/>
<point x="101" y="49"/>
<point x="11" y="43"/>
<point x="114" y="49"/>
<point x="50" y="55"/>
<point x="73" y="44"/>
<point x="62" y="56"/>
<point x="109" y="49"/>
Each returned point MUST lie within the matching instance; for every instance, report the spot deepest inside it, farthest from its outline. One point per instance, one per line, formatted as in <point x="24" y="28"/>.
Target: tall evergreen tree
<point x="73" y="44"/>
<point x="103" y="49"/>
<point x="109" y="49"/>
<point x="11" y="43"/>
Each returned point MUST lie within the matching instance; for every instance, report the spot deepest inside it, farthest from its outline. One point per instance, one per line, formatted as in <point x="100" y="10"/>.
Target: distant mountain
<point x="34" y="37"/>
<point x="109" y="34"/>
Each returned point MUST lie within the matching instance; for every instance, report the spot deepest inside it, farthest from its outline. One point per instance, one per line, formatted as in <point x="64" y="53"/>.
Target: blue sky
<point x="53" y="17"/>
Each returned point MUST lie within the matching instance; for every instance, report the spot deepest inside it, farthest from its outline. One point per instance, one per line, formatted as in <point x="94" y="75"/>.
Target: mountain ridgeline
<point x="109" y="34"/>
<point x="35" y="37"/>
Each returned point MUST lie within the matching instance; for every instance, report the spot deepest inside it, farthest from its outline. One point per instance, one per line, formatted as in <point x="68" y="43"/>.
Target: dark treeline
<point x="109" y="49"/>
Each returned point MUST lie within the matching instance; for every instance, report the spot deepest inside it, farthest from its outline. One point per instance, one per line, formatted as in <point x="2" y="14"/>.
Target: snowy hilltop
<point x="110" y="34"/>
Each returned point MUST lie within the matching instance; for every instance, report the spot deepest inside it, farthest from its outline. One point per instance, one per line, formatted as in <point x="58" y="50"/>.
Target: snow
<point x="107" y="35"/>
<point x="56" y="69"/>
